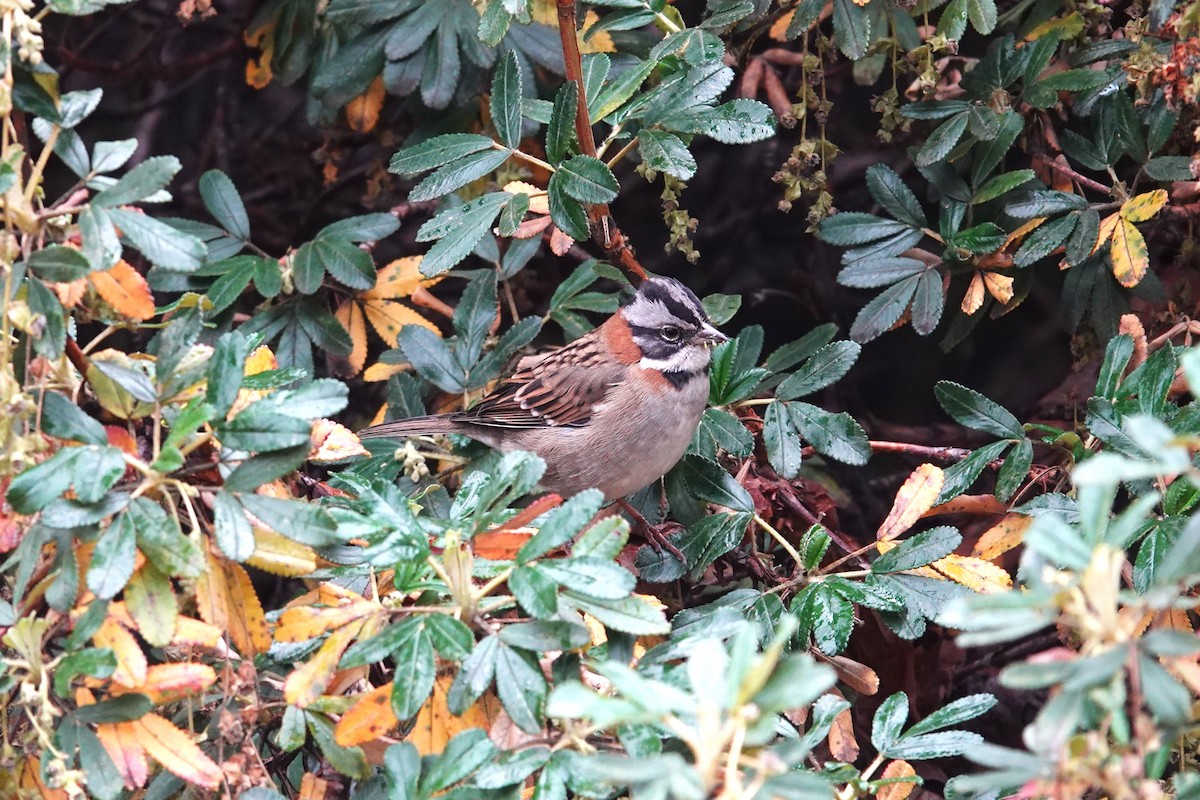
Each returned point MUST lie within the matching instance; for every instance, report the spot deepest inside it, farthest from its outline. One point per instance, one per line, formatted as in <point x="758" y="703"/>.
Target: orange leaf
<point x="370" y="718"/>
<point x="124" y="288"/>
<point x="29" y="781"/>
<point x="381" y="372"/>
<point x="1002" y="537"/>
<point x="1020" y="233"/>
<point x="915" y="497"/>
<point x="131" y="661"/>
<point x="258" y="73"/>
<point x="1107" y="226"/>
<point x="1130" y="258"/>
<point x="313" y="788"/>
<point x="401" y="278"/>
<point x="332" y="442"/>
<point x="362" y="113"/>
<point x="969" y="504"/>
<point x="350" y="315"/>
<point x="973" y="298"/>
<point x="1144" y="206"/>
<point x="842" y="744"/>
<point x="435" y="725"/>
<point x="306" y="683"/>
<point x="560" y="242"/>
<point x="499" y="545"/>
<point x="225" y="598"/>
<point x="539" y="200"/>
<point x="167" y="683"/>
<point x="191" y="632"/>
<point x="387" y="318"/>
<point x="999" y="286"/>
<point x="897" y="791"/>
<point x="779" y="28"/>
<point x="120" y="742"/>
<point x="178" y="754"/>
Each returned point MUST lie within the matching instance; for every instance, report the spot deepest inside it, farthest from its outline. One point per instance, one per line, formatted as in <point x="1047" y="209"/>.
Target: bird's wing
<point x="558" y="390"/>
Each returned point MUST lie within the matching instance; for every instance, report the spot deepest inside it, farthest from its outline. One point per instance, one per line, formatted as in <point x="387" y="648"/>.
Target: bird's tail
<point x="416" y="426"/>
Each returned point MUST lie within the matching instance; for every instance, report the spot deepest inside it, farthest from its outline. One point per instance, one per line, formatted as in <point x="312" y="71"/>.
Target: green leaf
<point x="437" y="152"/>
<point x="457" y="174"/>
<point x="708" y="481"/>
<point x="827" y="616"/>
<point x="934" y="745"/>
<point x="854" y="227"/>
<point x="961" y="710"/>
<point x="870" y="273"/>
<point x="162" y="244"/>
<point x="361" y="228"/>
<point x="616" y="92"/>
<point x="953" y="22"/>
<point x="1002" y="184"/>
<point x="1169" y="168"/>
<point x="465" y="753"/>
<point x="505" y="103"/>
<point x="561" y="525"/>
<point x="972" y="410"/>
<point x="942" y="140"/>
<point x="1083" y="238"/>
<point x="851" y="28"/>
<point x="458" y="231"/>
<point x="588" y="180"/>
<point x="113" y="558"/>
<point x="511" y="768"/>
<point x="124" y="708"/>
<point x="139" y="183"/>
<point x="262" y="429"/>
<point x="522" y="688"/>
<point x="413" y="656"/>
<point x="536" y="593"/>
<point x="1044" y="240"/>
<point x="222" y="200"/>
<point x="986" y="156"/>
<point x="430" y="357"/>
<point x="560" y="133"/>
<point x="345" y="262"/>
<point x="63" y="419"/>
<point x="59" y="264"/>
<point x="889" y="721"/>
<point x="629" y="615"/>
<point x="720" y="430"/>
<point x="231" y="528"/>
<point x="566" y="212"/>
<point x="891" y="192"/>
<point x="160" y="540"/>
<point x="591" y="577"/>
<point x="303" y="522"/>
<point x="982" y="14"/>
<point x="835" y="435"/>
<point x="782" y="441"/>
<point x="918" y="550"/>
<point x="666" y="152"/>
<point x="807" y="12"/>
<point x="927" y="302"/>
<point x="543" y="636"/>
<point x="1045" y="203"/>
<point x="824" y="368"/>
<point x="1015" y="470"/>
<point x="740" y="121"/>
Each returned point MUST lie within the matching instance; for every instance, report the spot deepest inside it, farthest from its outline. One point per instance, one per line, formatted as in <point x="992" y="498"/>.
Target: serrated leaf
<point x="587" y="179"/>
<point x="457" y="174"/>
<point x="438" y="151"/>
<point x="918" y="550"/>
<point x="942" y="140"/>
<point x="666" y="152"/>
<point x="222" y="200"/>
<point x="824" y="368"/>
<point x="972" y="410"/>
<point x="892" y="193"/>
<point x="505" y="103"/>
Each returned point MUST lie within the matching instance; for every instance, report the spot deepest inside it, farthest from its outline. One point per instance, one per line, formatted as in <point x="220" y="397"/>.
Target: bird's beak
<point x="711" y="336"/>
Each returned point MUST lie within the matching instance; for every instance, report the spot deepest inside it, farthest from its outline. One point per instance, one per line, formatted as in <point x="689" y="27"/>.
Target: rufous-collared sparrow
<point x="613" y="410"/>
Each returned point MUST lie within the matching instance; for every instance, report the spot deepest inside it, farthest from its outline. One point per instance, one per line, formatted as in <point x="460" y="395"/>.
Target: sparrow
<point x="613" y="410"/>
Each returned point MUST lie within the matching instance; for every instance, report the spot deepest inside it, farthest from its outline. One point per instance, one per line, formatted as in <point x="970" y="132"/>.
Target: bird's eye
<point x="670" y="333"/>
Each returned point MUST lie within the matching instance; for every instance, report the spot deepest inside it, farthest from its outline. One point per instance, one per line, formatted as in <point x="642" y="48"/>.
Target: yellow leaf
<point x="387" y="318"/>
<point x="362" y="113"/>
<point x="261" y="360"/>
<point x="332" y="442"/>
<point x="313" y="788"/>
<point x="306" y="683"/>
<point x="915" y="497"/>
<point x="280" y="555"/>
<point x="1068" y="27"/>
<point x="301" y="623"/>
<point x="178" y="754"/>
<point x="1002" y="537"/>
<point x="350" y="315"/>
<point x="545" y="12"/>
<point x="400" y="278"/>
<point x="539" y="200"/>
<point x="999" y="286"/>
<point x="124" y="288"/>
<point x="131" y="661"/>
<point x="167" y="683"/>
<point x="1130" y="258"/>
<point x="435" y="725"/>
<point x="897" y="791"/>
<point x="1107" y="226"/>
<point x="370" y="718"/>
<point x="973" y="298"/>
<point x="1144" y="206"/>
<point x="381" y="372"/>
<point x="225" y="598"/>
<point x="974" y="573"/>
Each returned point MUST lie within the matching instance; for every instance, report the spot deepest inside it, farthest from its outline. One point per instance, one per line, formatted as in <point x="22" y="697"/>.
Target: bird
<point x="614" y="410"/>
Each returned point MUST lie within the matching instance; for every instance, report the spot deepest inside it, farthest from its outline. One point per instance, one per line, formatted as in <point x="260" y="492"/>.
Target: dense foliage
<point x="212" y="588"/>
